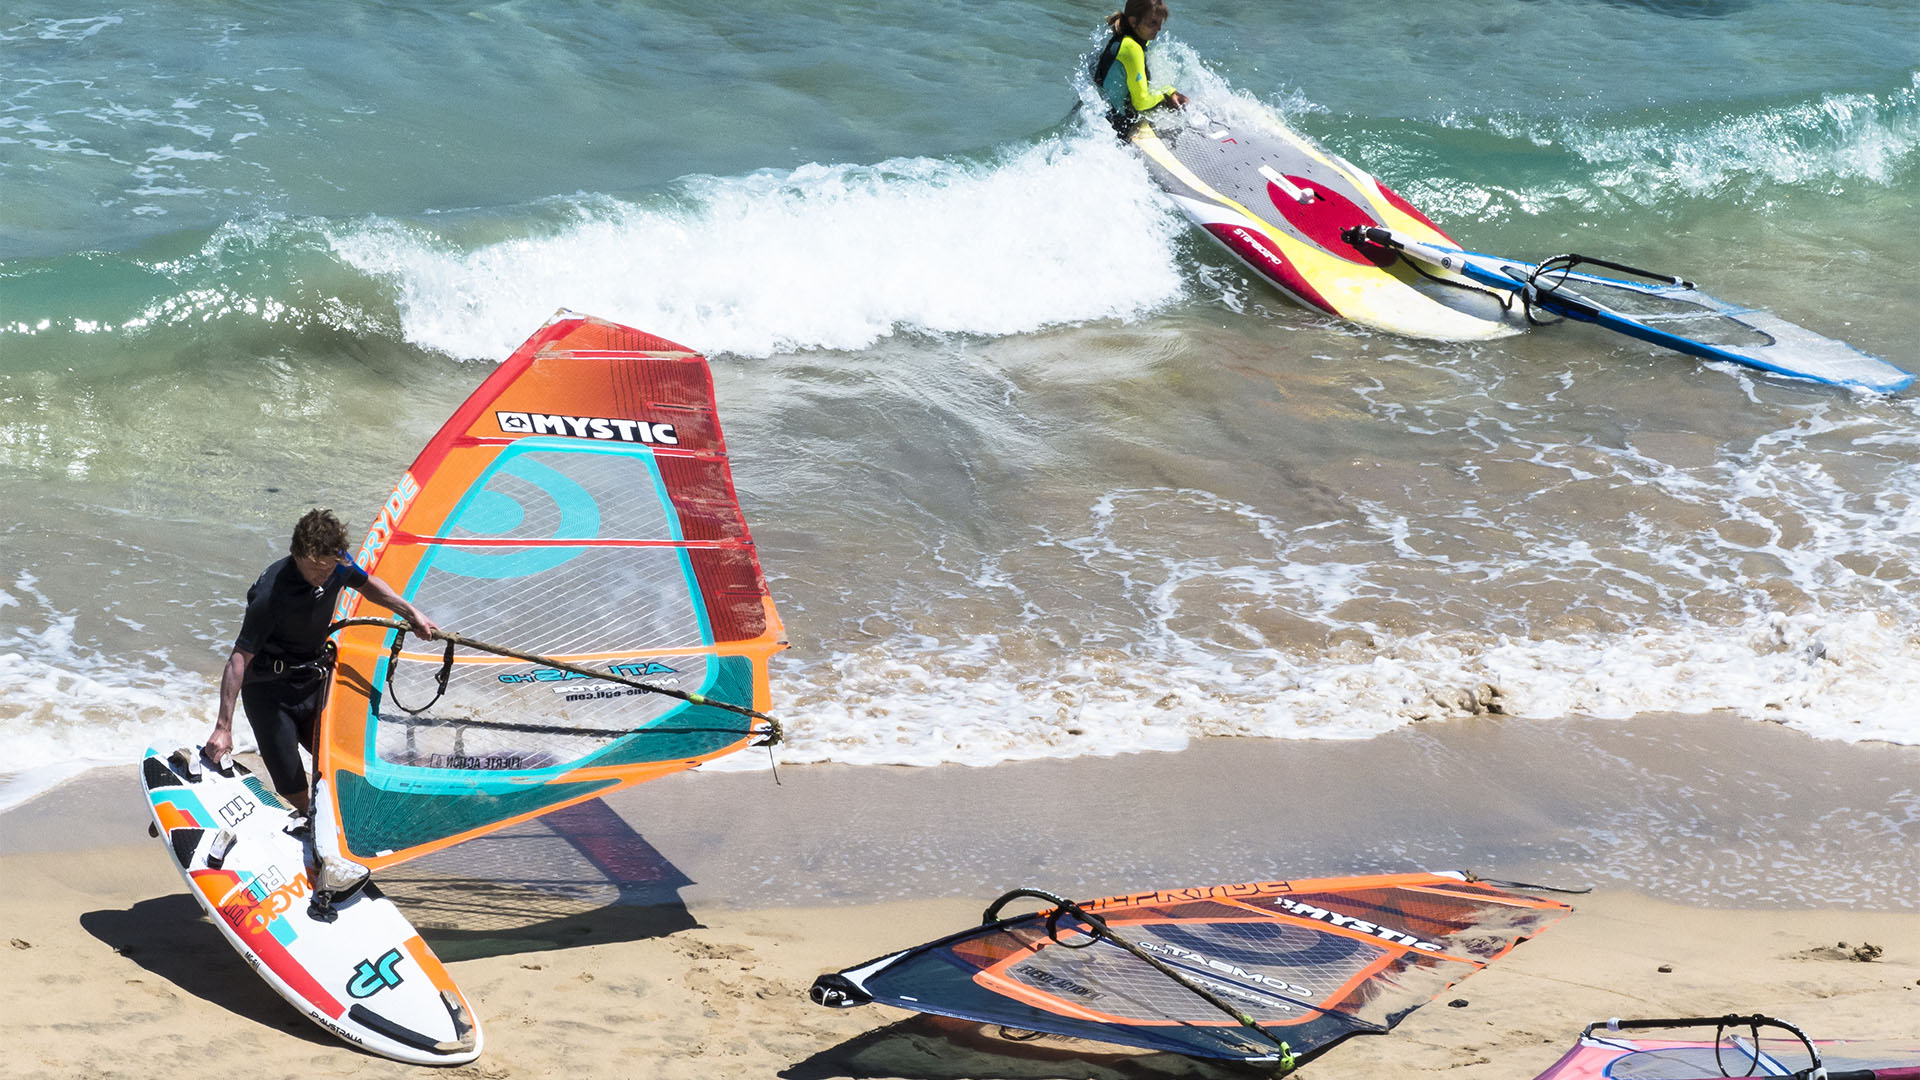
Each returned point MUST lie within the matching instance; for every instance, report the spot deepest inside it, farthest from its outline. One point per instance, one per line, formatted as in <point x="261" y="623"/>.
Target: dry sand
<point x="689" y="966"/>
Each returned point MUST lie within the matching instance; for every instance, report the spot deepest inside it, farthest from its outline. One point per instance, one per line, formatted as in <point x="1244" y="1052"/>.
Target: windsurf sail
<point x="579" y="505"/>
<point x="1753" y="1047"/>
<point x="1270" y="972"/>
<point x="1658" y="308"/>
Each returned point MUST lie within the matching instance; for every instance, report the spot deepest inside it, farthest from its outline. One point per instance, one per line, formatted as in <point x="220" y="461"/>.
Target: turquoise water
<point x="1034" y="469"/>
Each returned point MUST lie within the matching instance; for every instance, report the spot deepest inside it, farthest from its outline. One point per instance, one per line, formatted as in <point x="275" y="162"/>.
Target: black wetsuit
<point x="286" y="631"/>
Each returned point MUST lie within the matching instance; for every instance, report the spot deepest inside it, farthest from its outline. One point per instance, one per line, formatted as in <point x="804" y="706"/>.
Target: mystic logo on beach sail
<point x="1270" y="972"/>
<point x="598" y="537"/>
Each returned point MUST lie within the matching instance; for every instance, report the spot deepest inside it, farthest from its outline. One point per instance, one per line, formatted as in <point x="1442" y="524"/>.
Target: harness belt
<point x="279" y="666"/>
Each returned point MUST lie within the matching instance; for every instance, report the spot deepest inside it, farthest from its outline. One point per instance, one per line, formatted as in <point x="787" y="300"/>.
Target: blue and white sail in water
<point x="1332" y="237"/>
<point x="1657" y="308"/>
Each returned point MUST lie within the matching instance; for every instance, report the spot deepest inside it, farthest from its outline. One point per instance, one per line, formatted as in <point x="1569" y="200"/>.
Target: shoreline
<point x="1706" y="810"/>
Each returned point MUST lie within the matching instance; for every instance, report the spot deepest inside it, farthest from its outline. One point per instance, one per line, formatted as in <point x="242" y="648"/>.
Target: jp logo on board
<point x="372" y="976"/>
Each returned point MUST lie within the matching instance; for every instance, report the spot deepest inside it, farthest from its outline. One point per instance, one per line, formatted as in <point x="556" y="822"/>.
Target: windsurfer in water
<point x="280" y="662"/>
<point x="1132" y="92"/>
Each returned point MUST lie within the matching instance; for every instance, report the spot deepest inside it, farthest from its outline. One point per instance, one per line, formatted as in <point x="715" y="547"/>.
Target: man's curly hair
<point x="319" y="535"/>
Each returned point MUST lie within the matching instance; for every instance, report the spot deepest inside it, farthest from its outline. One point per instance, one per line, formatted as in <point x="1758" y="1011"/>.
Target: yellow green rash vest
<point x="1135" y="93"/>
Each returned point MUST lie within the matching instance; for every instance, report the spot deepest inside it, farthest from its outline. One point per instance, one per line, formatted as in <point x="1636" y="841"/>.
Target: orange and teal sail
<point x="578" y="506"/>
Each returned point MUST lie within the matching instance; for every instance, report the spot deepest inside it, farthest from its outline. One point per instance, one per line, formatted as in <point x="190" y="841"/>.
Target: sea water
<point x="1034" y="469"/>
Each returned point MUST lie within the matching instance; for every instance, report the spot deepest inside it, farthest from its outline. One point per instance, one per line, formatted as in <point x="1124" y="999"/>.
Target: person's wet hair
<point x="1134" y="12"/>
<point x="319" y="535"/>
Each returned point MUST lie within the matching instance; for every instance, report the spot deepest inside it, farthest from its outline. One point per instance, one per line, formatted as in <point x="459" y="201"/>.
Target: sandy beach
<point x="690" y="954"/>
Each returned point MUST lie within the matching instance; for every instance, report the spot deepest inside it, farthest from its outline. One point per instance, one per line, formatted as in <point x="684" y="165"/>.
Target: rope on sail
<point x="1096" y="928"/>
<point x="770" y="737"/>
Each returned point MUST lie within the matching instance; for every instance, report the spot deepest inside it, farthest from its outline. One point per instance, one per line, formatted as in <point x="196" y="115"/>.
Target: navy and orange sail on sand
<point x="580" y="507"/>
<point x="1267" y="972"/>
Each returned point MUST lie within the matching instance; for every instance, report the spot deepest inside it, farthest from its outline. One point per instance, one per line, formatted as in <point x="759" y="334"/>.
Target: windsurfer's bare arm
<point x="220" y="743"/>
<point x="381" y="593"/>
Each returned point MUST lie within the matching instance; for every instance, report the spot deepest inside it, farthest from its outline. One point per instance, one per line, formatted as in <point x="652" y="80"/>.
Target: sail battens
<point x="471" y="541"/>
<point x="577" y="508"/>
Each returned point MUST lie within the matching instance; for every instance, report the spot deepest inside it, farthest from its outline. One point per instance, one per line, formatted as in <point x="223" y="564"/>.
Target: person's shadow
<point x="170" y="937"/>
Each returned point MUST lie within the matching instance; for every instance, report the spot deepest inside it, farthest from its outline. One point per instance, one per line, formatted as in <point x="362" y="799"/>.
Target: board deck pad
<point x="367" y="976"/>
<point x="1279" y="204"/>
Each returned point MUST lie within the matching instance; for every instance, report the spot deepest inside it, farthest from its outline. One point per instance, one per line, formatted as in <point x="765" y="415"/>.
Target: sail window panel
<point x="1675" y="310"/>
<point x="566" y="601"/>
<point x="505" y="724"/>
<point x="1270" y="953"/>
<point x="1281" y="969"/>
<point x="567" y="494"/>
<point x="522" y="718"/>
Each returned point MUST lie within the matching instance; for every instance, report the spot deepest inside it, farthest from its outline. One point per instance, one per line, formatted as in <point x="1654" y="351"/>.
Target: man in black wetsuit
<point x="281" y="660"/>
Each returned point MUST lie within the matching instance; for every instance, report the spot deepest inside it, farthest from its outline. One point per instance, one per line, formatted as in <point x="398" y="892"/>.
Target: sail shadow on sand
<point x="929" y="1047"/>
<point x="578" y="876"/>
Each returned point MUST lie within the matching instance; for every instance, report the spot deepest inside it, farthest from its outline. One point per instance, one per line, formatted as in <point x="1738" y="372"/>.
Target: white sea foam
<point x="65" y="708"/>
<point x="1828" y="646"/>
<point x="1834" y="139"/>
<point x="1840" y="136"/>
<point x="1843" y="677"/>
<point x="825" y="256"/>
<point x="66" y="29"/>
